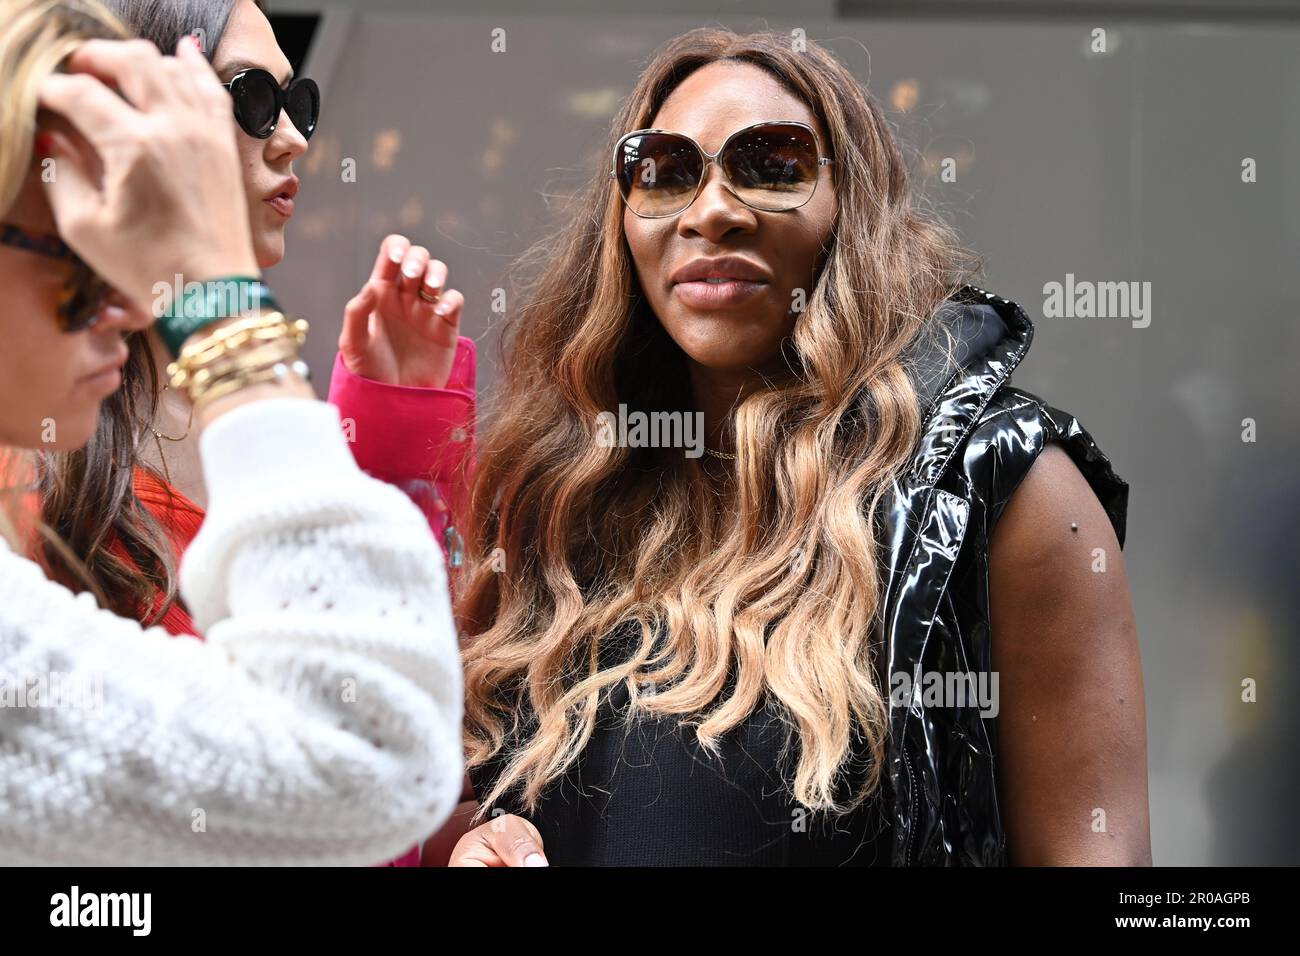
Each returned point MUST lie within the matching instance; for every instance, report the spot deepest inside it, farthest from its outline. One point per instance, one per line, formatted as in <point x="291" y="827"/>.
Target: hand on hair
<point x="393" y="335"/>
<point x="146" y="175"/>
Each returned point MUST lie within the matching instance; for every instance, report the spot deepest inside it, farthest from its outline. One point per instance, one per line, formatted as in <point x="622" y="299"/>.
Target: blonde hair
<point x="772" y="603"/>
<point x="35" y="38"/>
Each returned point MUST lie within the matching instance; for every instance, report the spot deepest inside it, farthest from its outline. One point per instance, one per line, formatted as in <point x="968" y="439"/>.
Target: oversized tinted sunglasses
<point x="772" y="167"/>
<point x="84" y="293"/>
<point x="259" y="100"/>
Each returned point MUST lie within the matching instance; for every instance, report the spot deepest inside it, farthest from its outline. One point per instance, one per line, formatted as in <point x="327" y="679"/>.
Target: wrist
<point x="421" y="381"/>
<point x="290" y="387"/>
<point x="185" y="314"/>
<point x="212" y="262"/>
<point x="244" y="355"/>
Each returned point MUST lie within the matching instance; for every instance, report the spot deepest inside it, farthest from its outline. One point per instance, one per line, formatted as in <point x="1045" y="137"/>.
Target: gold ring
<point x="424" y="294"/>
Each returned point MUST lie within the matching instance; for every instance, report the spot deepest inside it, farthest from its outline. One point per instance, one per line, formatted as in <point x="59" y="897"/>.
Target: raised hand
<point x="146" y="166"/>
<point x="394" y="334"/>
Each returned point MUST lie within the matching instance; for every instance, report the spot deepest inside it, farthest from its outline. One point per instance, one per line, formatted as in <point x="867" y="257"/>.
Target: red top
<point x="181" y="518"/>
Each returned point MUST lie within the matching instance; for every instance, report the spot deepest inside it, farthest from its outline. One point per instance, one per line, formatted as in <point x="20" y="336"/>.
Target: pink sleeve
<point x="420" y="439"/>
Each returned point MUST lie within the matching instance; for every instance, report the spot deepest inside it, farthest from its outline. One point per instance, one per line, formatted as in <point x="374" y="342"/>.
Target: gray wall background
<point x="1117" y="167"/>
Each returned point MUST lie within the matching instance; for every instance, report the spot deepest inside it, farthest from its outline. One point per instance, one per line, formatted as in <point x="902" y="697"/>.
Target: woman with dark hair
<point x="319" y="723"/>
<point x="126" y="506"/>
<point x="129" y="503"/>
<point x="883" y="618"/>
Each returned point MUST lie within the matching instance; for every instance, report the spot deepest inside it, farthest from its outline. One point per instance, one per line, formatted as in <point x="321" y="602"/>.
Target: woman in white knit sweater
<point x="320" y="722"/>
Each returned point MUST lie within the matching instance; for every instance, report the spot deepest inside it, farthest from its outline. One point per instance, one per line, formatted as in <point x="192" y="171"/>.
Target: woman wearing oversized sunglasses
<point x="725" y="653"/>
<point x="319" y="722"/>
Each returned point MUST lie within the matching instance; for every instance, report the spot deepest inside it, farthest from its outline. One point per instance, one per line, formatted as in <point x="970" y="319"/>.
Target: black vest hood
<point x="980" y="437"/>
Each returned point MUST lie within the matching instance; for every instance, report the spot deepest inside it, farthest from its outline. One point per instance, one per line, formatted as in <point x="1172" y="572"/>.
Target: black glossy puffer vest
<point x="980" y="438"/>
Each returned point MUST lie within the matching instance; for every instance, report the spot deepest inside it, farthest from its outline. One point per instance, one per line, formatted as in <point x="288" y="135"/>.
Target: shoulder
<point x="1010" y="436"/>
<point x="1065" y="646"/>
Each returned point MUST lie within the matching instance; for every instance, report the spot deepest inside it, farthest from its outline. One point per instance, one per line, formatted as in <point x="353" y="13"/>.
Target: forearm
<point x="400" y="433"/>
<point x="320" y="723"/>
<point x="291" y="387"/>
<point x="419" y="439"/>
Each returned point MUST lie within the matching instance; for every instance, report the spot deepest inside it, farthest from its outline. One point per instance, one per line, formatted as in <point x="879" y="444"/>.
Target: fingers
<point x="438" y="320"/>
<point x="435" y="277"/>
<point x="356" y="323"/>
<point x="447" y="311"/>
<point x="507" y="840"/>
<point x="73" y="192"/>
<point x="147" y="78"/>
<point x="414" y="264"/>
<point x="516" y="841"/>
<point x="437" y="324"/>
<point x="409" y="270"/>
<point x="133" y="66"/>
<point x="429" y="291"/>
<point x="86" y="96"/>
<point x="388" y="263"/>
<point x="90" y="106"/>
<point x="188" y="76"/>
<point x="408" y="266"/>
<point x="110" y="59"/>
<point x="197" y="68"/>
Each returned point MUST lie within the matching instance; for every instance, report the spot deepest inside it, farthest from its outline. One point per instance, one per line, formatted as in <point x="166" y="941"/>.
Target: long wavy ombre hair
<point x="574" y="546"/>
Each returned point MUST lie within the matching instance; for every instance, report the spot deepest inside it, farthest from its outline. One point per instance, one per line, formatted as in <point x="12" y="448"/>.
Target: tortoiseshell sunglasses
<point x="84" y="292"/>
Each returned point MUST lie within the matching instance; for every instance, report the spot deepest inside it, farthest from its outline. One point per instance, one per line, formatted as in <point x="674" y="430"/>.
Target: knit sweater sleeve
<point x="318" y="724"/>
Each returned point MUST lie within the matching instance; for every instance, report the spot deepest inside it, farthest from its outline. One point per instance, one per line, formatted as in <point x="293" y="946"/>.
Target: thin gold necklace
<point x="188" y="425"/>
<point x="719" y="454"/>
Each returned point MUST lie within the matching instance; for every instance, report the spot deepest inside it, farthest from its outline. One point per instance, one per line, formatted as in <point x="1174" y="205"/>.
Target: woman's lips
<point x="109" y="377"/>
<point x="281" y="204"/>
<point x="717" y="293"/>
<point x="107" y="381"/>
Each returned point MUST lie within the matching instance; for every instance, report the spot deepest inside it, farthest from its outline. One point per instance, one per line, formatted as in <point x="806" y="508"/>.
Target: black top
<point x="647" y="794"/>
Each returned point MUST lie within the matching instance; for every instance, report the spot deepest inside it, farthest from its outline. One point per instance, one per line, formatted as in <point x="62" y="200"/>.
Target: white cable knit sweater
<point x="318" y="723"/>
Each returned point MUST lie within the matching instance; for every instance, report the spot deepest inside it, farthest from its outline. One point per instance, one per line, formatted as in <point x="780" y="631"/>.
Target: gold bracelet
<point x="227" y="348"/>
<point x="228" y="386"/>
<point x="280" y="350"/>
<point x="207" y="354"/>
<point x="240" y="338"/>
<point x="235" y="334"/>
<point x="238" y="375"/>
